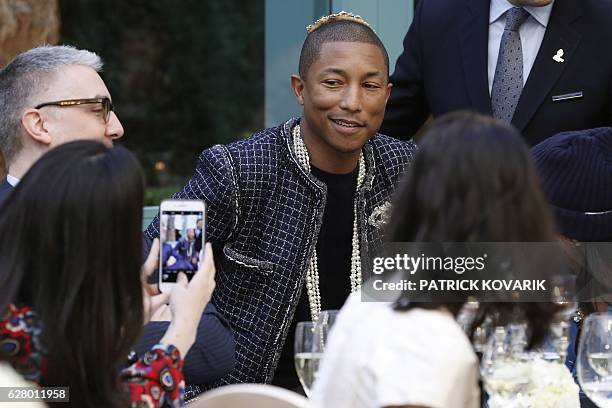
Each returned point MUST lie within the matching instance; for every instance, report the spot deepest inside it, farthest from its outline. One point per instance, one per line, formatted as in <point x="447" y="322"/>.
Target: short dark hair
<point x="337" y="31"/>
<point x="74" y="255"/>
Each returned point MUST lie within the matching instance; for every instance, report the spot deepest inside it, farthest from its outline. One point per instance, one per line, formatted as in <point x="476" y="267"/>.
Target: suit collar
<point x="5" y="185"/>
<point x="5" y="188"/>
<point x="500" y="7"/>
<point x="560" y="35"/>
<point x="13" y="181"/>
<point x="541" y="14"/>
<point x="474" y="47"/>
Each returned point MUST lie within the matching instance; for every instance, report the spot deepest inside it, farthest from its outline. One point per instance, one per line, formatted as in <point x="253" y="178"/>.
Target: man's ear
<point x="298" y="88"/>
<point x="35" y="126"/>
<point x="389" y="86"/>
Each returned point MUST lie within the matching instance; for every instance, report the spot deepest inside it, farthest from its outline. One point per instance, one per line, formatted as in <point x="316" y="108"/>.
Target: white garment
<point x="378" y="357"/>
<point x="10" y="378"/>
<point x="13" y="181"/>
<point x="531" y="31"/>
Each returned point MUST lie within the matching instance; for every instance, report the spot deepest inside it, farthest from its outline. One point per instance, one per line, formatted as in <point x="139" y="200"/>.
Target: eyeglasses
<point x="107" y="105"/>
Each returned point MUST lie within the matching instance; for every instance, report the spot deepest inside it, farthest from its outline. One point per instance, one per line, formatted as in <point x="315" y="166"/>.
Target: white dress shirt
<point x="532" y="32"/>
<point x="13" y="181"/>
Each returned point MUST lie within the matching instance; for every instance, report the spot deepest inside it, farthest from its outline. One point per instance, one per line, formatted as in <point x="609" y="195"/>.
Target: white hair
<point x="25" y="77"/>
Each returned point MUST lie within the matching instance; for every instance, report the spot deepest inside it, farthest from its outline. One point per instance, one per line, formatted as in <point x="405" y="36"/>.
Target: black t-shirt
<point x="334" y="264"/>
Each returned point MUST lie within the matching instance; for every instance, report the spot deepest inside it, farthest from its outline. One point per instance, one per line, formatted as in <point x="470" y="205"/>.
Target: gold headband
<point x="343" y="15"/>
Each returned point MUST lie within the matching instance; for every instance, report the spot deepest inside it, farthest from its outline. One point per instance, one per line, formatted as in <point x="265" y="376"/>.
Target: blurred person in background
<point x="48" y="96"/>
<point x="576" y="173"/>
<point x="538" y="64"/>
<point x="186" y="247"/>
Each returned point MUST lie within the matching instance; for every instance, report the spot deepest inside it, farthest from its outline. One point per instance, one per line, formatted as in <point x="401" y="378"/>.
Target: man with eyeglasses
<point x="49" y="96"/>
<point x="52" y="95"/>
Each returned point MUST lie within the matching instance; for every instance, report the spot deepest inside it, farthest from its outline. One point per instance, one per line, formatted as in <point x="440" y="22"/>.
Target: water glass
<point x="594" y="364"/>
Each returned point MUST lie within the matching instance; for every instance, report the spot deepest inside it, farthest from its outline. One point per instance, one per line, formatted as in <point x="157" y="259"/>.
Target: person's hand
<point x="162" y="314"/>
<point x="187" y="302"/>
<point x="151" y="296"/>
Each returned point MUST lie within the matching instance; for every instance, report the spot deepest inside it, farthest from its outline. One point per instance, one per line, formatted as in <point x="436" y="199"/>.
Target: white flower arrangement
<point x="535" y="383"/>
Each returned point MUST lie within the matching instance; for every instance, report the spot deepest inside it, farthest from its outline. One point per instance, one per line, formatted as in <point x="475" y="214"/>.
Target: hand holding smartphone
<point x="182" y="236"/>
<point x="187" y="302"/>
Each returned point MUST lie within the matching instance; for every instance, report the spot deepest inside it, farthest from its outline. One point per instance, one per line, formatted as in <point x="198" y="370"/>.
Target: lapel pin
<point x="558" y="57"/>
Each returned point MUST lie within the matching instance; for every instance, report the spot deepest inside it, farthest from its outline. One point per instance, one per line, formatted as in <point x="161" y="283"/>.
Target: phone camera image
<point x="181" y="239"/>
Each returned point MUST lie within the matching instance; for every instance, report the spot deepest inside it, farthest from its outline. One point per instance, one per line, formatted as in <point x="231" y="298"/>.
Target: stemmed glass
<point x="594" y="365"/>
<point x="502" y="367"/>
<point x="310" y="341"/>
<point x="328" y="317"/>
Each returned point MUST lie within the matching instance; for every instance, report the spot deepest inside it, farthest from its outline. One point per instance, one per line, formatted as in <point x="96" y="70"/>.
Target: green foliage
<point x="184" y="75"/>
<point x="154" y="195"/>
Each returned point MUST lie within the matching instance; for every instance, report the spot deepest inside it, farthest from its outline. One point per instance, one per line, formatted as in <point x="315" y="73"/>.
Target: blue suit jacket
<point x="5" y="188"/>
<point x="444" y="68"/>
<point x="212" y="355"/>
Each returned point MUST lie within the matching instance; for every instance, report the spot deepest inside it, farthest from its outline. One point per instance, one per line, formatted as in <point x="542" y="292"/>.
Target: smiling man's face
<point x="344" y="95"/>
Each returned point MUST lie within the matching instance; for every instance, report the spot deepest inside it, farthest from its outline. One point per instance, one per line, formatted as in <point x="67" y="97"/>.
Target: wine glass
<point x="502" y="367"/>
<point x="310" y="339"/>
<point x="594" y="365"/>
<point x="328" y="317"/>
<point x="496" y="350"/>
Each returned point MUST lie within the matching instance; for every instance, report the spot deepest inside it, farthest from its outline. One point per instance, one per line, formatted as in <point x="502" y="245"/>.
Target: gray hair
<point x="27" y="76"/>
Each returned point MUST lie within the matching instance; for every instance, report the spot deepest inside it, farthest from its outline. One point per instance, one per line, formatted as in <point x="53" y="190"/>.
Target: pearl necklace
<point x="312" y="273"/>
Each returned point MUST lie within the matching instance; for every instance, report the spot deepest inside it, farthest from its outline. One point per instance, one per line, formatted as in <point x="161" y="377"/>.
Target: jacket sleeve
<point x="407" y="108"/>
<point x="155" y="380"/>
<point x="213" y="182"/>
<point x="212" y="355"/>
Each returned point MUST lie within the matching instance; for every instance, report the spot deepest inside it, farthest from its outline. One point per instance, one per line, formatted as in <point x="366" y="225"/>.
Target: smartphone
<point x="182" y="226"/>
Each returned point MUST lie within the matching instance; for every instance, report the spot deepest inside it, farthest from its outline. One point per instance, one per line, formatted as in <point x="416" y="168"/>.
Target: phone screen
<point x="181" y="240"/>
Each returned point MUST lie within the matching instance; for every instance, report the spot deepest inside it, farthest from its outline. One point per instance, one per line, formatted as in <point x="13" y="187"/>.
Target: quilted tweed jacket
<point x="264" y="213"/>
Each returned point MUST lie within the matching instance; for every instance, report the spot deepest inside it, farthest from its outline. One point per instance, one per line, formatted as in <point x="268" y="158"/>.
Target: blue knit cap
<point x="576" y="173"/>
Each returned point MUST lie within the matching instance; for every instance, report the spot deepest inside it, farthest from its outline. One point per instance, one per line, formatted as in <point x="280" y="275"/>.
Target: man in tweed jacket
<point x="265" y="210"/>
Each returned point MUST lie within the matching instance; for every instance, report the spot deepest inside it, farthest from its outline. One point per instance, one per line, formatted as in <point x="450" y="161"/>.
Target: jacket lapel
<point x="474" y="50"/>
<point x="5" y="188"/>
<point x="546" y="71"/>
